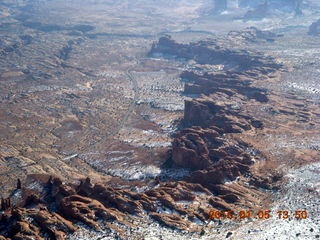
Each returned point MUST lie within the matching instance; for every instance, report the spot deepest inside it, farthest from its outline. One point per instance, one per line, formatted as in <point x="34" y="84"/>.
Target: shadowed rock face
<point x="227" y="83"/>
<point x="205" y="113"/>
<point x="209" y="52"/>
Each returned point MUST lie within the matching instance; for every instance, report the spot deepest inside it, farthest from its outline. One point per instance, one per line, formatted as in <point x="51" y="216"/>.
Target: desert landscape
<point x="159" y="120"/>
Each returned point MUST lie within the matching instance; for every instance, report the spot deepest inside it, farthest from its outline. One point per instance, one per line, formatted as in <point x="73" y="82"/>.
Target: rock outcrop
<point x="88" y="211"/>
<point x="253" y="35"/>
<point x="199" y="149"/>
<point x="90" y="204"/>
<point x="24" y="224"/>
<point x="217" y="112"/>
<point x="211" y="52"/>
<point x="58" y="206"/>
<point x="31" y="219"/>
<point x="205" y="112"/>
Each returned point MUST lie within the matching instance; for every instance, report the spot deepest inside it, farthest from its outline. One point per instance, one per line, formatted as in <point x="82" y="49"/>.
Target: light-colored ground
<point x="40" y="127"/>
<point x="302" y="192"/>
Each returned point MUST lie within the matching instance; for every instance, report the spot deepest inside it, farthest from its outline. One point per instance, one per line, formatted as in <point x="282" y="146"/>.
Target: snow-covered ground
<point x="302" y="192"/>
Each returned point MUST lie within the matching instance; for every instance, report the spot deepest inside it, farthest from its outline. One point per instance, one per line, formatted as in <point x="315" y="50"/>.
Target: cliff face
<point x="205" y="113"/>
<point x="210" y="143"/>
<point x="210" y="52"/>
<point x="218" y="109"/>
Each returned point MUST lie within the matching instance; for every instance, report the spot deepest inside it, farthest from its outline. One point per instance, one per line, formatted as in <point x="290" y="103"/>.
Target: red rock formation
<point x="88" y="211"/>
<point x="223" y="171"/>
<point x="198" y="148"/>
<point x="206" y="112"/>
<point x="203" y="146"/>
<point x="191" y="151"/>
<point x="19" y="225"/>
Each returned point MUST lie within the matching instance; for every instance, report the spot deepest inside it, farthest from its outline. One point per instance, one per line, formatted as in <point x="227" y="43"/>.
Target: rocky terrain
<point x="144" y="136"/>
<point x="221" y="174"/>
